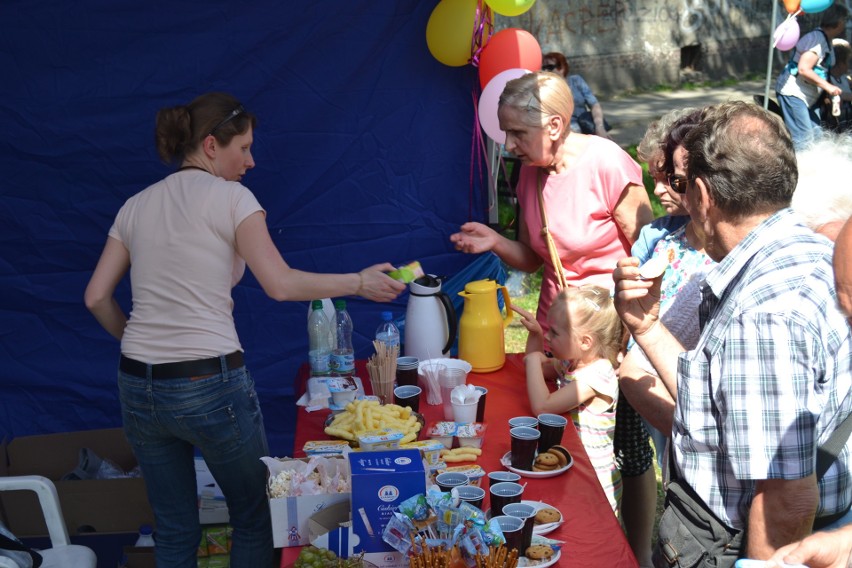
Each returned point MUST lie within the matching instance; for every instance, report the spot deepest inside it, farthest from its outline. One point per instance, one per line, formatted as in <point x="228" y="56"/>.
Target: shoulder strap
<point x="827" y="453"/>
<point x="545" y="231"/>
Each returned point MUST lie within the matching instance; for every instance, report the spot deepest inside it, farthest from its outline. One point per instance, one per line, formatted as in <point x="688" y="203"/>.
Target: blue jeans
<point x="801" y="121"/>
<point x="220" y="415"/>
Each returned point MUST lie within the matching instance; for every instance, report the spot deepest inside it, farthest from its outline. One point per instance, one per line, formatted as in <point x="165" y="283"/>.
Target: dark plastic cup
<point x="527" y="513"/>
<point x="406" y="371"/>
<point x="551" y="426"/>
<point x="528" y="421"/>
<point x="513" y="532"/>
<point x="407" y="395"/>
<point x="500" y="476"/>
<point x="503" y="494"/>
<point x="449" y="479"/>
<point x="480" y="406"/>
<point x="524" y="445"/>
<point x="471" y="494"/>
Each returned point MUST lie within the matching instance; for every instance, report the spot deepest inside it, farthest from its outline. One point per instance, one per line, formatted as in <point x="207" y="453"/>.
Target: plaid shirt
<point x="770" y="378"/>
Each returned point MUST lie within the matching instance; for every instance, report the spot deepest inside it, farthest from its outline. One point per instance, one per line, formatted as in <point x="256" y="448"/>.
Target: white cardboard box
<point x="290" y="514"/>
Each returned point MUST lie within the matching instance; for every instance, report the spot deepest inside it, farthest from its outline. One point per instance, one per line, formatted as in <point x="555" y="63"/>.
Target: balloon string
<point x="476" y="158"/>
<point x="481" y="23"/>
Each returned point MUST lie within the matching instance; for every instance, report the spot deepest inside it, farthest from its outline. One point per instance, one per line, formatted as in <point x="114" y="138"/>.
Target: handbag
<point x="551" y="246"/>
<point x="691" y="535"/>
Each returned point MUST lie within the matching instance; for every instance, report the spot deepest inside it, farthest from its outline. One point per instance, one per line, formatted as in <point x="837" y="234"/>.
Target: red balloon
<point x="511" y="48"/>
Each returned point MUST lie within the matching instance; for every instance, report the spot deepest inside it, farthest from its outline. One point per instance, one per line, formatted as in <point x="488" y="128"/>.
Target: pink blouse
<point x="580" y="205"/>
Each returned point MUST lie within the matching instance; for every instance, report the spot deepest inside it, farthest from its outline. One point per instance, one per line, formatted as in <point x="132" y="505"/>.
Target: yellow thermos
<point x="481" y="326"/>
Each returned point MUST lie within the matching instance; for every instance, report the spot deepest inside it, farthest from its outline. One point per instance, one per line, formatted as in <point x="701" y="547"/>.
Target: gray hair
<point x="744" y="156"/>
<point x="652" y="147"/>
<point x="539" y="96"/>
<point x="823" y="195"/>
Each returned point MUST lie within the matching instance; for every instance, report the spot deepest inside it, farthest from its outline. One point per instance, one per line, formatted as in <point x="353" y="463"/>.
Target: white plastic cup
<point x="450" y="378"/>
<point x="464" y="413"/>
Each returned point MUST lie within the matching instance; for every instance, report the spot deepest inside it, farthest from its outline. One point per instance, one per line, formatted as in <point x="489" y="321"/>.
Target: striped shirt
<point x="596" y="428"/>
<point x="770" y="378"/>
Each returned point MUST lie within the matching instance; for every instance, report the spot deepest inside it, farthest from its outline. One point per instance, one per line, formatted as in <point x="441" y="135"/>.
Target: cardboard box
<point x="290" y="514"/>
<point x="92" y="505"/>
<point x="331" y="528"/>
<point x="380" y="482"/>
<point x="212" y="508"/>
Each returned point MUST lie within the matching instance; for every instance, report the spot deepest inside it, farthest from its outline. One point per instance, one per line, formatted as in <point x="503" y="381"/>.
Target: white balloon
<point x="488" y="103"/>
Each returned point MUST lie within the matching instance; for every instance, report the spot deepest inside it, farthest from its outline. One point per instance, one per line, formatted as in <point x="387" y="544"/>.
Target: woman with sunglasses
<point x="589" y="188"/>
<point x="676" y="238"/>
<point x="588" y="116"/>
<point x="186" y="241"/>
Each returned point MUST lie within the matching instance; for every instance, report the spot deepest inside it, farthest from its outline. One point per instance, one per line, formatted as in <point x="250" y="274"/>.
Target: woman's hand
<point x="377" y="286"/>
<point x="475" y="238"/>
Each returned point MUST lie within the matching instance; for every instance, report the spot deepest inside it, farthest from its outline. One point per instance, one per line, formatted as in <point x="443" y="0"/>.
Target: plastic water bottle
<point x="387" y="332"/>
<point x="835" y="105"/>
<point x="146" y="536"/>
<point x="343" y="355"/>
<point x="319" y="339"/>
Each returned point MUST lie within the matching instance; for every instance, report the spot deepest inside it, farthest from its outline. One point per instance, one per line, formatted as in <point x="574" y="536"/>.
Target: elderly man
<point x="768" y="381"/>
<point x="843" y="269"/>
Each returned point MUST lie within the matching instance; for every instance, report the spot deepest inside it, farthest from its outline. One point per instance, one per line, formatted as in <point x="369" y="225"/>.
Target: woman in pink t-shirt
<point x="593" y="195"/>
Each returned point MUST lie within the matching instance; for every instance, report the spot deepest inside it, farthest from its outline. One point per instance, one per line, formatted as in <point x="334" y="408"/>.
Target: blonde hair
<point x="594" y="314"/>
<point x="540" y="96"/>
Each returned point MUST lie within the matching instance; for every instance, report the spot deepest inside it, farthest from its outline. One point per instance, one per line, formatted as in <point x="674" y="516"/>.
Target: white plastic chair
<point x="61" y="554"/>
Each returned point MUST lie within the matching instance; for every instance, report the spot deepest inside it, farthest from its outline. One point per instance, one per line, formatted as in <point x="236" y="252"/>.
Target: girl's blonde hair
<point x="594" y="314"/>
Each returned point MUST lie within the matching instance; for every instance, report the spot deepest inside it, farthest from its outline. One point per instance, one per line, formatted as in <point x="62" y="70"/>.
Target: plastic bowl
<point x="450" y="363"/>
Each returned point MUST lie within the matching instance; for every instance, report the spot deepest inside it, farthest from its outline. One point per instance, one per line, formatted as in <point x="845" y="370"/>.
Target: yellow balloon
<point x="510" y="7"/>
<point x="449" y="31"/>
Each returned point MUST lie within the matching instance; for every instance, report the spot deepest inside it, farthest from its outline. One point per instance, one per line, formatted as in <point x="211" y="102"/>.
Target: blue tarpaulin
<point x="363" y="151"/>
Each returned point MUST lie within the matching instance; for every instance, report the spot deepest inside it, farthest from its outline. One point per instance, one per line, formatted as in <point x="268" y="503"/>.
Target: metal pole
<point x="771" y="54"/>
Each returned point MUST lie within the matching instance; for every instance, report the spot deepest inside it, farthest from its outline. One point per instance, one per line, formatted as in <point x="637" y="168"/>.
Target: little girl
<point x="585" y="335"/>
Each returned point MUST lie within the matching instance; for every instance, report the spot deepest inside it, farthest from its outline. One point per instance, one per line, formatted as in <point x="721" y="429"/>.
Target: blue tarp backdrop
<point x="363" y="151"/>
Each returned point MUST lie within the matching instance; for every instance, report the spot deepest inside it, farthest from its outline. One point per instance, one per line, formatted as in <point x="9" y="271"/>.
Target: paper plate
<point x="354" y="443"/>
<point x="524" y="561"/>
<point x="545" y="528"/>
<point x="506" y="460"/>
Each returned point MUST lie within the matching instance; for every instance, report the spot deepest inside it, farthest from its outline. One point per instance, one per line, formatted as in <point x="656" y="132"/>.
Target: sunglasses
<point x="678" y="183"/>
<point x="548" y="67"/>
<point x="234" y="113"/>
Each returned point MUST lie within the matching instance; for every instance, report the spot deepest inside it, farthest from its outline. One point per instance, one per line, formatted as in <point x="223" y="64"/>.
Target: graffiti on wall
<point x="616" y="22"/>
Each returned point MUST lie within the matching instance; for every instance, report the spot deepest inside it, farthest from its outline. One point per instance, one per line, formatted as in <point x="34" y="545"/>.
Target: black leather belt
<point x="180" y="369"/>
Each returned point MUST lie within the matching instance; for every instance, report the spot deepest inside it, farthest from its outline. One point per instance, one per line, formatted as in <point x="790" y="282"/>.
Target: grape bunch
<point x="313" y="557"/>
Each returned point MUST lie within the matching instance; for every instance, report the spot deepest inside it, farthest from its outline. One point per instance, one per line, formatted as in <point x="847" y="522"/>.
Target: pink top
<point x="580" y="204"/>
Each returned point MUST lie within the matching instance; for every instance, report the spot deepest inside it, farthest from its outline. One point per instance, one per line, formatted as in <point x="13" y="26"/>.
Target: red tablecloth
<point x="591" y="532"/>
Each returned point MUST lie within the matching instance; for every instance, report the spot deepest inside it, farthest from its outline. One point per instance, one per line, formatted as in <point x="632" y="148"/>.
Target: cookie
<point x="562" y="450"/>
<point x="547" y="515"/>
<point x="547" y="460"/>
<point x="537" y="467"/>
<point x="539" y="552"/>
<point x="563" y="461"/>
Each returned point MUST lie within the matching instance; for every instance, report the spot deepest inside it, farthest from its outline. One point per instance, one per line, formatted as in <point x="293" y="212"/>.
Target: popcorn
<point x="315" y="476"/>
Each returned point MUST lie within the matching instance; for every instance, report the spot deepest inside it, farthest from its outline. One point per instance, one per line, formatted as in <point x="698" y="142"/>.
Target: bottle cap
<point x="145" y="529"/>
<point x="316" y="304"/>
<point x="340" y="304"/>
<point x="387" y="316"/>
